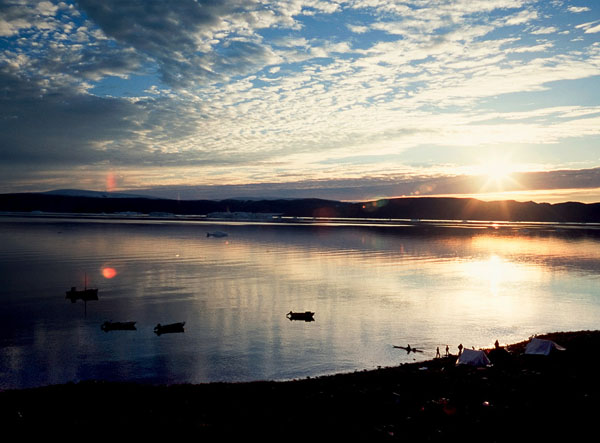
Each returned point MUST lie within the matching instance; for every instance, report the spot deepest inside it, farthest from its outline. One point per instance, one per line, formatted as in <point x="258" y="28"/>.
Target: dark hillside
<point x="399" y="208"/>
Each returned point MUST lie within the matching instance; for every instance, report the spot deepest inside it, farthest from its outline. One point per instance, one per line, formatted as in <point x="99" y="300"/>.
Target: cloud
<point x="593" y="29"/>
<point x="588" y="25"/>
<point x="198" y="41"/>
<point x="537" y="48"/>
<point x="392" y="185"/>
<point x="357" y="29"/>
<point x="250" y="91"/>
<point x="545" y="30"/>
<point x="578" y="9"/>
<point x="16" y="16"/>
<point x="64" y="128"/>
<point x="521" y="17"/>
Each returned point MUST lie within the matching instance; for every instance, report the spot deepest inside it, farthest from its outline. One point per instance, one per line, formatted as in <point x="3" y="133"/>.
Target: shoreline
<point x="423" y="401"/>
<point x="418" y="225"/>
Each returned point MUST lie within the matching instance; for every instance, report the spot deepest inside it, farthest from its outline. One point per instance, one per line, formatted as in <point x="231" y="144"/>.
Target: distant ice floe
<point x="255" y="216"/>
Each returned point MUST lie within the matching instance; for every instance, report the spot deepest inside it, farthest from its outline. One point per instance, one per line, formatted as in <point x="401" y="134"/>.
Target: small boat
<point x="306" y="316"/>
<point x="118" y="326"/>
<point x="216" y="234"/>
<point x="408" y="349"/>
<point x="167" y="329"/>
<point x="85" y="294"/>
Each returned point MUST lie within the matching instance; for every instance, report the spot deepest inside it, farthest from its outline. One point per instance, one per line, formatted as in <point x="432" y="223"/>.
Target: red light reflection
<point x="109" y="272"/>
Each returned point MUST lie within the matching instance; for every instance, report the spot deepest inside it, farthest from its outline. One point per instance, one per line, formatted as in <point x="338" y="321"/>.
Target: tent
<point x="538" y="346"/>
<point x="473" y="358"/>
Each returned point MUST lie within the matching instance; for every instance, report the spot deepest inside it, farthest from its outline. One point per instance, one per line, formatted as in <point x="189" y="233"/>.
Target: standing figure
<point x="460" y="348"/>
<point x="437" y="353"/>
<point x="447" y="350"/>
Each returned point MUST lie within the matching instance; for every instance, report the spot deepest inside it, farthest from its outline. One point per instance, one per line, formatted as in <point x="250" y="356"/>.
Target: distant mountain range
<point x="73" y="201"/>
<point x="97" y="194"/>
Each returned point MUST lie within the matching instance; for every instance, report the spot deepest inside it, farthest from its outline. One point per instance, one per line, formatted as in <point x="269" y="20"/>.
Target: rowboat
<point x="408" y="349"/>
<point x="306" y="316"/>
<point x="85" y="294"/>
<point x="217" y="234"/>
<point x="118" y="326"/>
<point x="167" y="329"/>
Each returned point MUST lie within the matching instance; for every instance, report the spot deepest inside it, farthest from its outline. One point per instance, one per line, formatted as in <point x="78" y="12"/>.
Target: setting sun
<point x="496" y="172"/>
<point x="496" y="168"/>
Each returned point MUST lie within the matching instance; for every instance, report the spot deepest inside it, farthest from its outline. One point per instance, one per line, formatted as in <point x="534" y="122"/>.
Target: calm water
<point x="371" y="287"/>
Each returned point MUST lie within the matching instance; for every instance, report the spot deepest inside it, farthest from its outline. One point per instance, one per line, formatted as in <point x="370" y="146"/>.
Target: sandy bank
<point x="519" y="398"/>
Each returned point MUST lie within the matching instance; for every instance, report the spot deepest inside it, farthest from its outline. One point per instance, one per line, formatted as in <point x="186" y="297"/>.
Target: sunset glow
<point x="498" y="173"/>
<point x="341" y="100"/>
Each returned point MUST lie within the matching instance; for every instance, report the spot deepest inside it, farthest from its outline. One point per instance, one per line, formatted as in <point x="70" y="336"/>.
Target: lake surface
<point x="371" y="287"/>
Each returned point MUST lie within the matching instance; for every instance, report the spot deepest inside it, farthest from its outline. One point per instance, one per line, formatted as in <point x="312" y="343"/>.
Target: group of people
<point x="410" y="349"/>
<point x="438" y="355"/>
<point x="460" y="349"/>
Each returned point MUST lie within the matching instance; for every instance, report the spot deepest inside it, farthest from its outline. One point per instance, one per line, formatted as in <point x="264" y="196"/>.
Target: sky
<point x="347" y="100"/>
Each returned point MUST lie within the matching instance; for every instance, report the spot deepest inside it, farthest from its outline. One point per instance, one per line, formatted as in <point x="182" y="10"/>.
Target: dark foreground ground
<point x="519" y="398"/>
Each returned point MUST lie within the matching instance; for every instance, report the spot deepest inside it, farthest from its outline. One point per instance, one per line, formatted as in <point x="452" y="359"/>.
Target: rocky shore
<point x="518" y="398"/>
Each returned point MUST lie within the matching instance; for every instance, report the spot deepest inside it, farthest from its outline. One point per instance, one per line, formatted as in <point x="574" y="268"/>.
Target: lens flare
<point x="111" y="181"/>
<point x="109" y="272"/>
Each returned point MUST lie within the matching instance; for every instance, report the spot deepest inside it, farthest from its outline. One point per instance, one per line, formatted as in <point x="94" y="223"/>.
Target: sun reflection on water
<point x="369" y="288"/>
<point x="495" y="273"/>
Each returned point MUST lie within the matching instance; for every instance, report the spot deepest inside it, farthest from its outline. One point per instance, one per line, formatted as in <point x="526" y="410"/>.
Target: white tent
<point x="473" y="358"/>
<point x="538" y="346"/>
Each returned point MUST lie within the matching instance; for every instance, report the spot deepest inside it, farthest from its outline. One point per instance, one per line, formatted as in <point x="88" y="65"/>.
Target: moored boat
<point x="85" y="294"/>
<point x="217" y="234"/>
<point x="306" y="316"/>
<point x="170" y="328"/>
<point x="118" y="326"/>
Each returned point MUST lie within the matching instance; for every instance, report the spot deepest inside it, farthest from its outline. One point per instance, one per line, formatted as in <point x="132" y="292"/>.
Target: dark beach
<point x="520" y="397"/>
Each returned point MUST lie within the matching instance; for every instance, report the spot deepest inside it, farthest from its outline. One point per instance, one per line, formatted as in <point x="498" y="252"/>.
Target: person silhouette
<point x="460" y="348"/>
<point x="437" y="353"/>
<point x="447" y="350"/>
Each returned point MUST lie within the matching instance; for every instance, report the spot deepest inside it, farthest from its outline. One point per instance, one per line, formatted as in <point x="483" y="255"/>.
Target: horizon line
<point x="483" y="197"/>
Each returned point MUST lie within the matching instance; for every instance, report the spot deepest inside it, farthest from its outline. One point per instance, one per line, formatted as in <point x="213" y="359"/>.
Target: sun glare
<point x="497" y="173"/>
<point x="496" y="169"/>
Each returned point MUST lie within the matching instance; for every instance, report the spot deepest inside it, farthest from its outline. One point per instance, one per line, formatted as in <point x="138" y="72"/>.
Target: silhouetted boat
<point x="167" y="329"/>
<point x="217" y="234"/>
<point x="118" y="326"/>
<point x="85" y="294"/>
<point x="408" y="349"/>
<point x="306" y="316"/>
